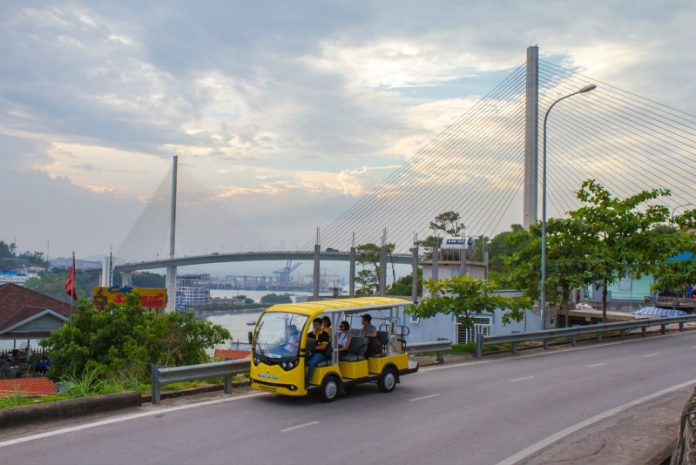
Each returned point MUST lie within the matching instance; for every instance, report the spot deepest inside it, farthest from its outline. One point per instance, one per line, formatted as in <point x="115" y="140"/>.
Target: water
<point x="236" y="322"/>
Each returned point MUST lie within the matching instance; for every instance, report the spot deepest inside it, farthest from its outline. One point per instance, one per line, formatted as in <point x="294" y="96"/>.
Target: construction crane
<point x="283" y="275"/>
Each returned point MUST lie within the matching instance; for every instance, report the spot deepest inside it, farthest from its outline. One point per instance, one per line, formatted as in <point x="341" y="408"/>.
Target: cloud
<point x="299" y="107"/>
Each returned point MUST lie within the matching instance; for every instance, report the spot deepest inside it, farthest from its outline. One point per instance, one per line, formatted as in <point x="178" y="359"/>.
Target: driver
<point x="293" y="340"/>
<point x="320" y="349"/>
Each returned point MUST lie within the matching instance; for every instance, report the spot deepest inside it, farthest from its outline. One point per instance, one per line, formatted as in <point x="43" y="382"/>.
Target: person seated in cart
<point x="370" y="332"/>
<point x="319" y="353"/>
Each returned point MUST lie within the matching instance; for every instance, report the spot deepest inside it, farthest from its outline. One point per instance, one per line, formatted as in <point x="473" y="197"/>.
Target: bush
<point x="122" y="341"/>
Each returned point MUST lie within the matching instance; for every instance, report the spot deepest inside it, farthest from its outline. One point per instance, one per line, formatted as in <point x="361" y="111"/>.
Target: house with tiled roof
<point x="27" y="314"/>
<point x="230" y="354"/>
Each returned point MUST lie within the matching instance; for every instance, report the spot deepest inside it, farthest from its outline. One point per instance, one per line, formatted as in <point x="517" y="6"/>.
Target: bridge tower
<point x="531" y="139"/>
<point x="171" y="270"/>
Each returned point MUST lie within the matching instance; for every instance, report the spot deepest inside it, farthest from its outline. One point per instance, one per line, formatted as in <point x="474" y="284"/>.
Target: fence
<point x="229" y="368"/>
<point x="545" y="336"/>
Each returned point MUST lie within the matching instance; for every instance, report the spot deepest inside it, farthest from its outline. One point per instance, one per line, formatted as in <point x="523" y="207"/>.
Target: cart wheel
<point x="387" y="381"/>
<point x="329" y="389"/>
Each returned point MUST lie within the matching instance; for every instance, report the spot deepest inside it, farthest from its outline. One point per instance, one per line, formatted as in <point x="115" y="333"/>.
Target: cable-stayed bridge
<point x="484" y="166"/>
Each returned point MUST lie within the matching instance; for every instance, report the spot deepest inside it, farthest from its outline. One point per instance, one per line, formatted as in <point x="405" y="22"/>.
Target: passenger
<point x="343" y="338"/>
<point x="293" y="340"/>
<point x="326" y="325"/>
<point x="370" y="332"/>
<point x="320" y="348"/>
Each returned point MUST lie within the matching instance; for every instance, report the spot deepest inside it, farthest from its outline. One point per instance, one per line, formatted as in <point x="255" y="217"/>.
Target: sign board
<point x="149" y="297"/>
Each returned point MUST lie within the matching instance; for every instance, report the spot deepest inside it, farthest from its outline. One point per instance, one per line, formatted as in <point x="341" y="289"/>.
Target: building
<point x="16" y="277"/>
<point x="192" y="290"/>
<point x="448" y="326"/>
<point x="27" y="314"/>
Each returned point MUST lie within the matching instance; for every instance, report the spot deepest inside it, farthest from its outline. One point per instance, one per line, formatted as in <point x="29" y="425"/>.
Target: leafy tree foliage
<point x="404" y="285"/>
<point x="448" y="223"/>
<point x="273" y="299"/>
<point x="466" y="297"/>
<point x="53" y="283"/>
<point x="124" y="340"/>
<point x="622" y="237"/>
<point x="367" y="256"/>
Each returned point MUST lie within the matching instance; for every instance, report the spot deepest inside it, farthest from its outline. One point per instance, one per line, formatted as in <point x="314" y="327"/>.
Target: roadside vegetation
<point x="117" y="346"/>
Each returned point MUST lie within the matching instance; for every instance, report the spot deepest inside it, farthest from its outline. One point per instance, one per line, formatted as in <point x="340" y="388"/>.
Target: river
<point x="236" y="322"/>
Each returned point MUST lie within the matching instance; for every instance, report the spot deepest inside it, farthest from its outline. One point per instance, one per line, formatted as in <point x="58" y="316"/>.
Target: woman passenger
<point x="343" y="337"/>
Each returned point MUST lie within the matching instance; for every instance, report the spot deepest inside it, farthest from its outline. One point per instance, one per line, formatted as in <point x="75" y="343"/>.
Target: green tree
<point x="675" y="273"/>
<point x="143" y="279"/>
<point x="124" y="340"/>
<point x="465" y="298"/>
<point x="623" y="237"/>
<point x="52" y="283"/>
<point x="6" y="250"/>
<point x="367" y="256"/>
<point x="273" y="299"/>
<point x="404" y="285"/>
<point x="448" y="223"/>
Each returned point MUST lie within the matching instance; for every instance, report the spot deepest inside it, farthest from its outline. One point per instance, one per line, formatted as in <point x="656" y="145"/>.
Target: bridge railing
<point x="228" y="368"/>
<point x="599" y="329"/>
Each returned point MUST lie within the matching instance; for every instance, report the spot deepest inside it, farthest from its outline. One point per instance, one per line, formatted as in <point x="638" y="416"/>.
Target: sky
<point x="286" y="111"/>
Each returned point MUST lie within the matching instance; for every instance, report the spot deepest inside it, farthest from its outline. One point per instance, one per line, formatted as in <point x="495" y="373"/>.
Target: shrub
<point x="122" y="341"/>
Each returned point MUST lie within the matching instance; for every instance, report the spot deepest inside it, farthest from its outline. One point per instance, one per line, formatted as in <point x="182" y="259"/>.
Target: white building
<point x="448" y="326"/>
<point x="192" y="290"/>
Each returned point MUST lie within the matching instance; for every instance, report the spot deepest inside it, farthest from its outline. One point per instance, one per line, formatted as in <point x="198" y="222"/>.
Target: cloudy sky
<point x="286" y="111"/>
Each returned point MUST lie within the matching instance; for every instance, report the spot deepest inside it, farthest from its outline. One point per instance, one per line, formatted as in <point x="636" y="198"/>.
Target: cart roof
<point x="354" y="305"/>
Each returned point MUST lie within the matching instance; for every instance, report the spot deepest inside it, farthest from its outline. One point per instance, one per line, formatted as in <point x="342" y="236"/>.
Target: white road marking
<point x="594" y="365"/>
<point x="424" y="397"/>
<point x="303" y="425"/>
<point x="526" y="452"/>
<point x="122" y="418"/>
<point x="521" y="379"/>
<point x="651" y="355"/>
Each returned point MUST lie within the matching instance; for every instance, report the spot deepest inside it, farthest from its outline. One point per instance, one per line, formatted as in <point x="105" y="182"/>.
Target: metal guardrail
<point x="573" y="332"/>
<point x="229" y="368"/>
<point x="431" y="346"/>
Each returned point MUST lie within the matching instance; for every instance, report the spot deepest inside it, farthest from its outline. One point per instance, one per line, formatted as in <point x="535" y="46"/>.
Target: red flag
<point x="70" y="283"/>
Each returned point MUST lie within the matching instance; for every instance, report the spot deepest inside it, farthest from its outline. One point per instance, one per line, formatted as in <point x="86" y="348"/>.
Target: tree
<point x="447" y="223"/>
<point x="678" y="272"/>
<point x="6" y="250"/>
<point x="623" y="237"/>
<point x="273" y="299"/>
<point x="52" y="283"/>
<point x="367" y="256"/>
<point x="124" y="340"/>
<point x="466" y="297"/>
<point x="404" y="285"/>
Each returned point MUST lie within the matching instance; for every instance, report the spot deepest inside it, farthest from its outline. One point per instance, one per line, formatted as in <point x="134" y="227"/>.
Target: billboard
<point x="149" y="297"/>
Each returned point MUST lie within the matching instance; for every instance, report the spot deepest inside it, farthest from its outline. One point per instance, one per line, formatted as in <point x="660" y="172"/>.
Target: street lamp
<point x="542" y="299"/>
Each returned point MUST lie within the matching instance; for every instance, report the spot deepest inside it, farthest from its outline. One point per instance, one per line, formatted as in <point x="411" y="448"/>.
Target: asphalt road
<point x="490" y="412"/>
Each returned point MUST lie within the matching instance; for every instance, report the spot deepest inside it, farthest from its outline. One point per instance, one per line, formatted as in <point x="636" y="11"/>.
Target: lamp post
<point x="542" y="299"/>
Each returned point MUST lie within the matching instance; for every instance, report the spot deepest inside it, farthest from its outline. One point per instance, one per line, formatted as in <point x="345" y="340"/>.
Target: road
<point x="489" y="412"/>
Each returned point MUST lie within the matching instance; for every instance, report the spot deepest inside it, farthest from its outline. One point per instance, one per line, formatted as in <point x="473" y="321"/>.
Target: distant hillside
<point x="63" y="262"/>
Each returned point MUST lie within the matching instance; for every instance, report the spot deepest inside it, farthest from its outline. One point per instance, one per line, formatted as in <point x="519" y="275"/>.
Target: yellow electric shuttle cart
<point x="280" y="347"/>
